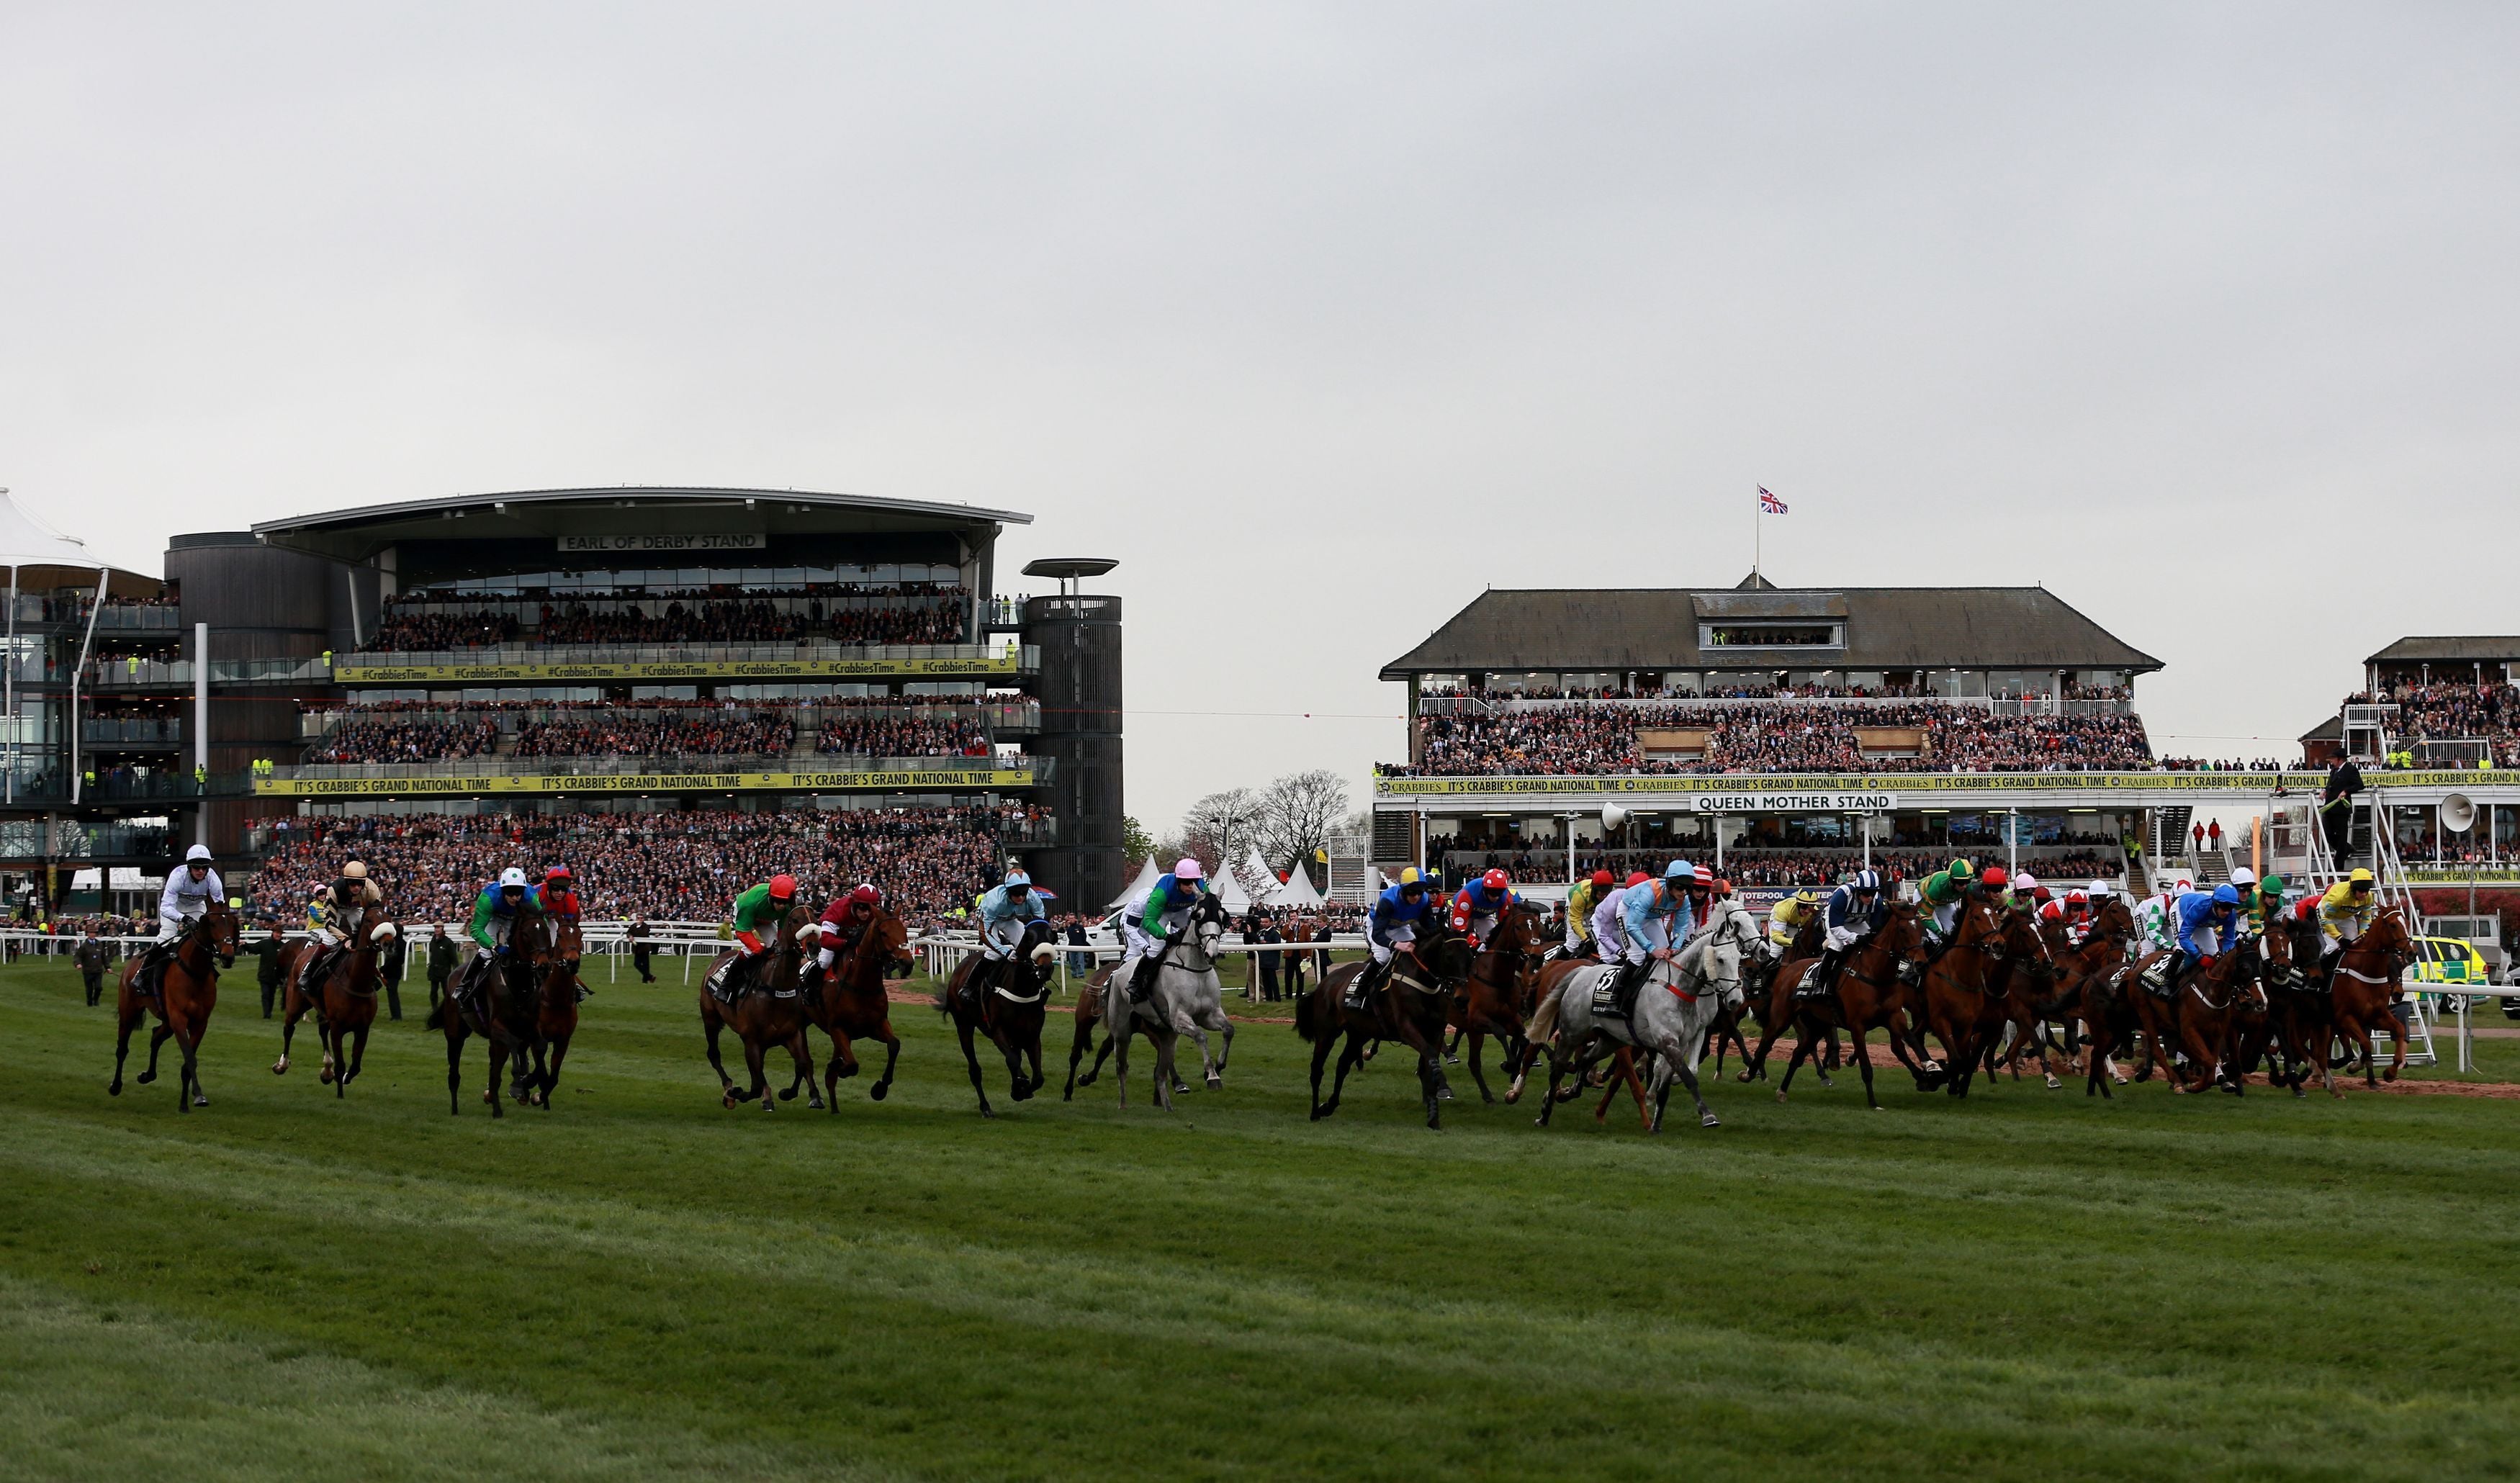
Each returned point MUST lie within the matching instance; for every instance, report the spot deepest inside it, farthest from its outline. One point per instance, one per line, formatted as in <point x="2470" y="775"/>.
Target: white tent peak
<point x="46" y="557"/>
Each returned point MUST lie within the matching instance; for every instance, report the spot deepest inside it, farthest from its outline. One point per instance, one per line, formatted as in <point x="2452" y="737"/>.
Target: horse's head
<point x="222" y="928"/>
<point x="566" y="940"/>
<point x="1521" y="930"/>
<point x="887" y="937"/>
<point x="1207" y="924"/>
<point x="1445" y="951"/>
<point x="2114" y="920"/>
<point x="2388" y="934"/>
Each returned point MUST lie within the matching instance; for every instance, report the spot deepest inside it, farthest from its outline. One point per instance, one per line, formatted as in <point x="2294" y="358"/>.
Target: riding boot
<point x="1141" y="979"/>
<point x="974" y="986"/>
<point x="1360" y="989"/>
<point x="1818" y="983"/>
<point x="1623" y="992"/>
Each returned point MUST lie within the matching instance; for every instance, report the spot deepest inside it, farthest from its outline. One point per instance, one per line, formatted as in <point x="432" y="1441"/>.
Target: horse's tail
<point x="437" y="1016"/>
<point x="1308" y="1018"/>
<point x="1543" y="1020"/>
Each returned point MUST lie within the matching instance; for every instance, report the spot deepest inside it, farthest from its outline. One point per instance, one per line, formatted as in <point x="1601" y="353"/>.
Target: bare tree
<point x="1229" y="822"/>
<point x="1298" y="814"/>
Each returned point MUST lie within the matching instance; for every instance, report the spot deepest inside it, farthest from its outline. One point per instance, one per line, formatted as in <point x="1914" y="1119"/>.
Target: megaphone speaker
<point x="1613" y="815"/>
<point x="2459" y="813"/>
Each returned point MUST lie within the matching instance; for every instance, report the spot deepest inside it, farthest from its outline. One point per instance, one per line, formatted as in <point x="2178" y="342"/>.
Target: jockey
<point x="1993" y="885"/>
<point x="1005" y="912"/>
<point x="1852" y="911"/>
<point x="844" y="922"/>
<point x="189" y="893"/>
<point x="1478" y="905"/>
<point x="2207" y="924"/>
<point x="1652" y="918"/>
<point x="1391" y="926"/>
<point x="2344" y="913"/>
<point x="1941" y="893"/>
<point x="334" y="917"/>
<point x="1151" y="933"/>
<point x="761" y="908"/>
<point x="557" y="893"/>
<point x="2157" y="917"/>
<point x="1580" y="902"/>
<point x="1609" y="925"/>
<point x="2027" y="892"/>
<point x="501" y="904"/>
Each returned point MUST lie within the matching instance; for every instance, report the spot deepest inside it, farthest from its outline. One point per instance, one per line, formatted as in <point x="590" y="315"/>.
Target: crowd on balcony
<point x="665" y="729"/>
<point x="2490" y="713"/>
<point x="1760" y="869"/>
<point x="1587" y="739"/>
<point x="1719" y="689"/>
<point x="903" y="736"/>
<point x="391" y="739"/>
<point x="681" y="866"/>
<point x="416" y="623"/>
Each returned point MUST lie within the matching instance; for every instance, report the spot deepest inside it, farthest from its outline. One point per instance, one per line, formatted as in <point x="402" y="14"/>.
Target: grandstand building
<point x="638" y="653"/>
<point x="1788" y="736"/>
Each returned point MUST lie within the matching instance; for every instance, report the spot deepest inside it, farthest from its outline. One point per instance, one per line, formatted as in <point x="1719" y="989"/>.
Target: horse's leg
<point x="1115" y="1044"/>
<point x="1224" y="1027"/>
<point x="1018" y="1088"/>
<point x="186" y="1039"/>
<point x="972" y="1059"/>
<point x="801" y="1047"/>
<point x="713" y="1023"/>
<point x="500" y="1045"/>
<point x="336" y="1052"/>
<point x="128" y="1018"/>
<point x="754" y="1056"/>
<point x="1320" y="1054"/>
<point x="2398" y="1037"/>
<point x="1556" y="1072"/>
<point x="1478" y="1076"/>
<point x="158" y="1034"/>
<point x="196" y="1026"/>
<point x="1076" y="1046"/>
<point x="290" y="1010"/>
<point x="1678" y="1064"/>
<point x="891" y="1055"/>
<point x="1864" y="1064"/>
<point x="1167" y="1043"/>
<point x="453" y="1060"/>
<point x="1350" y="1058"/>
<point x="559" y="1053"/>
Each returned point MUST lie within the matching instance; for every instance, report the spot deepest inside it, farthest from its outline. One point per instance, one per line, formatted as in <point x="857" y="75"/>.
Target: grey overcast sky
<point x="1320" y="319"/>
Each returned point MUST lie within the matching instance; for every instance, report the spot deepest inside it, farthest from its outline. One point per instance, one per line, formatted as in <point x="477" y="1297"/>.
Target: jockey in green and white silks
<point x="1150" y="921"/>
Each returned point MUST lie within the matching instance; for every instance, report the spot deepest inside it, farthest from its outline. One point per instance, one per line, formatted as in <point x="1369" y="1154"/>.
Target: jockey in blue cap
<point x="1852" y="911"/>
<point x="1655" y="917"/>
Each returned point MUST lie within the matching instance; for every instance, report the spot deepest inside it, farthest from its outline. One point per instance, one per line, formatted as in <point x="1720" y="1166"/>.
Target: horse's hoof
<point x="848" y="1069"/>
<point x="2052" y="1083"/>
<point x="280" y="1068"/>
<point x="1452" y="1060"/>
<point x="1744" y="1077"/>
<point x="2390" y="1074"/>
<point x="1780" y="1096"/>
<point x="498" y="1110"/>
<point x="145" y="1078"/>
<point x="727" y="1100"/>
<point x="1216" y="1083"/>
<point x="199" y="1101"/>
<point x="767" y="1105"/>
<point x="788" y="1096"/>
<point x="114" y="1088"/>
<point x="2118" y="1077"/>
<point x="1087" y="1079"/>
<point x="877" y="1092"/>
<point x="1823" y="1079"/>
<point x="1022" y="1092"/>
<point x="1710" y="1120"/>
<point x="989" y="1112"/>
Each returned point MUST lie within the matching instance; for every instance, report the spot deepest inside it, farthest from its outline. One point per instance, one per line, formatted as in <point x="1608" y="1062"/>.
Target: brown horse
<point x="1409" y="1006"/>
<point x="2208" y="1008"/>
<point x="1008" y="1013"/>
<point x="188" y="990"/>
<point x="2027" y="985"/>
<point x="1771" y="999"/>
<point x="851" y="1005"/>
<point x="1875" y="990"/>
<point x="1501" y="991"/>
<point x="769" y="1011"/>
<point x="2369" y="974"/>
<point x="1962" y="994"/>
<point x="563" y="947"/>
<point x="344" y="1004"/>
<point x="501" y="1010"/>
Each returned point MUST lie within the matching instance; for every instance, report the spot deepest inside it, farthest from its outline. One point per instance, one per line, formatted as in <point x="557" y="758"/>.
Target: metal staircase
<point x="2389" y="883"/>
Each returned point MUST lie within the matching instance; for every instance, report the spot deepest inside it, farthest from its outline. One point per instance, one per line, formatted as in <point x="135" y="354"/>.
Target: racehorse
<point x="1186" y="999"/>
<point x="188" y="990"/>
<point x="2025" y="985"/>
<point x="1874" y="991"/>
<point x="1010" y="1015"/>
<point x="501" y="1011"/>
<point x="2360" y="998"/>
<point x="2209" y="1008"/>
<point x="850" y="1004"/>
<point x="563" y="947"/>
<point x="769" y="1011"/>
<point x="1499" y="994"/>
<point x="1964" y="1001"/>
<point x="1088" y="1018"/>
<point x="1409" y="1006"/>
<point x="1672" y="1011"/>
<point x="344" y="1005"/>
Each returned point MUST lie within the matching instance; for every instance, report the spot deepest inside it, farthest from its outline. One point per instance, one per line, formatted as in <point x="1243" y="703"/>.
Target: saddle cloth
<point x="1605" y="996"/>
<point x="2156" y="977"/>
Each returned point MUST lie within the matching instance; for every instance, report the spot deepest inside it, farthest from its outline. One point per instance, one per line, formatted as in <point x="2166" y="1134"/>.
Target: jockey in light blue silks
<point x="1654" y="920"/>
<point x="1005" y="912"/>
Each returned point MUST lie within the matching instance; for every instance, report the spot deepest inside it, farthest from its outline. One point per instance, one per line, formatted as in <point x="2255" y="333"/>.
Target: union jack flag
<point x="1769" y="504"/>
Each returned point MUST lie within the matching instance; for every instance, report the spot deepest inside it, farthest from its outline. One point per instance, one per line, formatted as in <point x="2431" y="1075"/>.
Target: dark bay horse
<point x="849" y="1004"/>
<point x="188" y="990"/>
<point x="1409" y="1008"/>
<point x="1875" y="990"/>
<point x="1501" y="989"/>
<point x="501" y="1010"/>
<point x="1962" y="994"/>
<point x="768" y="1010"/>
<point x="1009" y="1014"/>
<point x="2210" y="1006"/>
<point x="344" y="1004"/>
<point x="562" y="946"/>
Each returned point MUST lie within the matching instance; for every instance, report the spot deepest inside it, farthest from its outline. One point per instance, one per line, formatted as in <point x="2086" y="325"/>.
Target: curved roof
<point x="45" y="559"/>
<point x="356" y="534"/>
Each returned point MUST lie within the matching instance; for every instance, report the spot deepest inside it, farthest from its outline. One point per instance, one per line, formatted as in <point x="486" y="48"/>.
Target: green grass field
<point x="637" y="1283"/>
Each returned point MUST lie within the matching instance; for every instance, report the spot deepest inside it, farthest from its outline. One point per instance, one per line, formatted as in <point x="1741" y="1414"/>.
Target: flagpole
<point x="1758" y="536"/>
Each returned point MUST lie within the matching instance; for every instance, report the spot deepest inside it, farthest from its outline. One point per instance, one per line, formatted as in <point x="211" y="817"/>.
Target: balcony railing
<point x="131" y="730"/>
<point x="2000" y="705"/>
<point x="1038" y="769"/>
<point x="348" y="666"/>
<point x="132" y="619"/>
<point x="160" y="674"/>
<point x="70" y="839"/>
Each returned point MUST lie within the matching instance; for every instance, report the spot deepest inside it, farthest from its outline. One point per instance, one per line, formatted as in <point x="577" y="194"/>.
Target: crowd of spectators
<point x="2442" y="712"/>
<point x="1766" y="869"/>
<point x="687" y="866"/>
<point x="388" y="737"/>
<point x="912" y="615"/>
<point x="896" y="734"/>
<point x="656" y="729"/>
<point x="1721" y="691"/>
<point x="1589" y="739"/>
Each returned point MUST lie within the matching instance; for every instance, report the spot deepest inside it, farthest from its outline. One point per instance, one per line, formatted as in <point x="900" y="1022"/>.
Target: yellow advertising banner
<point x="925" y="780"/>
<point x="1912" y="784"/>
<point x="1001" y="666"/>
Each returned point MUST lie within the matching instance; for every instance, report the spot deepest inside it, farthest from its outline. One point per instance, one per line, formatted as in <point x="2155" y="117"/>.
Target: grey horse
<point x="1186" y="1000"/>
<point x="1679" y="999"/>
